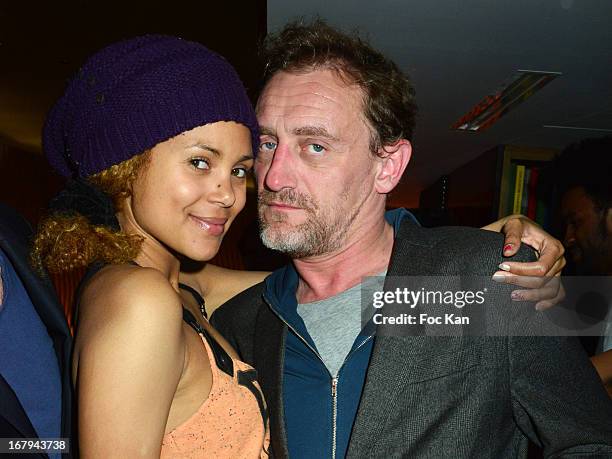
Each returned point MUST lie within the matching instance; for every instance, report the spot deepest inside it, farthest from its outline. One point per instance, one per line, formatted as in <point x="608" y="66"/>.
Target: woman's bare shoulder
<point x="129" y="335"/>
<point x="130" y="296"/>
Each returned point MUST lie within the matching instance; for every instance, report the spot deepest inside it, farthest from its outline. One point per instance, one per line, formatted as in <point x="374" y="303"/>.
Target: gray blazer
<point x="459" y="397"/>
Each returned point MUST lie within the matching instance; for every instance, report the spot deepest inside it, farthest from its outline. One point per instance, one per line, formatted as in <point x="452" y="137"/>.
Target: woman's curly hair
<point x="68" y="240"/>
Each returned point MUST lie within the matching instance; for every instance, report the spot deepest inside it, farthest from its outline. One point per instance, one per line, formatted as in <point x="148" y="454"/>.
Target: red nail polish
<point x="507" y="247"/>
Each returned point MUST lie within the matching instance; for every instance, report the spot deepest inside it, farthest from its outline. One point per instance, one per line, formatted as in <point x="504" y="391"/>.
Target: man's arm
<point x="558" y="399"/>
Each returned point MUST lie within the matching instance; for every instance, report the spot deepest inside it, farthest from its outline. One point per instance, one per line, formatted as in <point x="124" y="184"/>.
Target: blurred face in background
<point x="588" y="233"/>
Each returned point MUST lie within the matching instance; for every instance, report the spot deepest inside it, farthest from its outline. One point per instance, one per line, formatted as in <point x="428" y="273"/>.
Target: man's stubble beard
<point x="324" y="230"/>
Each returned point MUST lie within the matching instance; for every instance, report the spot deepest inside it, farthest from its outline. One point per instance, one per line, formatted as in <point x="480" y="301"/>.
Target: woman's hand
<point x="541" y="277"/>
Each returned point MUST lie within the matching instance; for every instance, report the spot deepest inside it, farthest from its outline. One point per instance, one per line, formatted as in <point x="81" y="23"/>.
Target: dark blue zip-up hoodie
<point x="309" y="404"/>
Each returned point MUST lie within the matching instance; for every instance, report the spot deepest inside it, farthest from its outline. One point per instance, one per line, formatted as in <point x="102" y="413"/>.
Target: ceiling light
<point x="518" y="89"/>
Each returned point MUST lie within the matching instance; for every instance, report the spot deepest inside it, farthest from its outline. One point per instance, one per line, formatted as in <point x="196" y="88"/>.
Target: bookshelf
<point x="483" y="189"/>
<point x="521" y="169"/>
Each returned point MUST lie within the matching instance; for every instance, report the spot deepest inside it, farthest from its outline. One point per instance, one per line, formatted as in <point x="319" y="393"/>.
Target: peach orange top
<point x="231" y="423"/>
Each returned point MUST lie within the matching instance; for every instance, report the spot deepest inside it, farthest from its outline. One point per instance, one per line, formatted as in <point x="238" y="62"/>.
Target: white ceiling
<point x="457" y="51"/>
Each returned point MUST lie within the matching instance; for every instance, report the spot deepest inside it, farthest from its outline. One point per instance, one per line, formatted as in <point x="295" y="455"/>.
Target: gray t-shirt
<point x="334" y="323"/>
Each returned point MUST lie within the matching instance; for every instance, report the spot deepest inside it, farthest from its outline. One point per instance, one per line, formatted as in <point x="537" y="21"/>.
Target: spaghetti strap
<point x="199" y="299"/>
<point x="222" y="359"/>
<point x="192" y="322"/>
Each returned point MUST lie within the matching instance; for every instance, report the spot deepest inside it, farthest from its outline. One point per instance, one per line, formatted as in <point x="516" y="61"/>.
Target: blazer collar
<point x="407" y="258"/>
<point x="269" y="355"/>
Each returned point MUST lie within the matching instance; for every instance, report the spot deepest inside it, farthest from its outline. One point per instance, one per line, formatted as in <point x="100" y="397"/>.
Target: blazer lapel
<point x="270" y="335"/>
<point x="392" y="359"/>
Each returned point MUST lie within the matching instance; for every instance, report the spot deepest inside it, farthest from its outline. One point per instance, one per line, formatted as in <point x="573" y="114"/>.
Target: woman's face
<point x="193" y="187"/>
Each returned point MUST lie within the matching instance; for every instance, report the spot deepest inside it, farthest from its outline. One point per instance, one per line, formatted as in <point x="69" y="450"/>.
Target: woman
<point x="164" y="128"/>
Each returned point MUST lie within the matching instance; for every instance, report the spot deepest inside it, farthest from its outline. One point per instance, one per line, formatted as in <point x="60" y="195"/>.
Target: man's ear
<point x="394" y="159"/>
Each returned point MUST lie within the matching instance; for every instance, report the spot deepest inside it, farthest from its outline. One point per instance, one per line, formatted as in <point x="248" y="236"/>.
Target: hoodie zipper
<point x="334" y="379"/>
<point x="334" y="391"/>
<point x="335" y="396"/>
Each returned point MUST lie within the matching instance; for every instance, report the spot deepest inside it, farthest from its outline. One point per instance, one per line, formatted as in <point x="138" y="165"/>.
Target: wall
<point x="26" y="181"/>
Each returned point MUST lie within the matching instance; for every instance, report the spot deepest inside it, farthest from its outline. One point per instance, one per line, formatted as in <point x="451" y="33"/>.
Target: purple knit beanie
<point x="134" y="94"/>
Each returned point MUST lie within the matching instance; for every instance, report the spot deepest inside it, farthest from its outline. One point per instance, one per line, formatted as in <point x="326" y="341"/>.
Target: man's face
<point x="315" y="172"/>
<point x="588" y="238"/>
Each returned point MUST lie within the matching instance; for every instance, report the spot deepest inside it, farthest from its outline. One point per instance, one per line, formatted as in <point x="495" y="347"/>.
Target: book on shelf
<point x="532" y="193"/>
<point x="519" y="180"/>
<point x="526" y="197"/>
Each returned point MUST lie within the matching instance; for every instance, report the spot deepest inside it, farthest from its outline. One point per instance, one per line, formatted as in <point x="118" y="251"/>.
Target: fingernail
<point x="507" y="247"/>
<point x="516" y="296"/>
<point x="541" y="306"/>
<point x="504" y="267"/>
<point x="498" y="277"/>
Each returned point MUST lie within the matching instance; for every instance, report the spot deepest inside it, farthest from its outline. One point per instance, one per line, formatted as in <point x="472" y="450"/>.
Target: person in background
<point x="35" y="345"/>
<point x="583" y="175"/>
<point x="336" y="120"/>
<point x="158" y="135"/>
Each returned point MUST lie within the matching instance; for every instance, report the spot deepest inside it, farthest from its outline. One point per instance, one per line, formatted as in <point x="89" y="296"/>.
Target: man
<point x="336" y="120"/>
<point x="35" y="346"/>
<point x="583" y="174"/>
